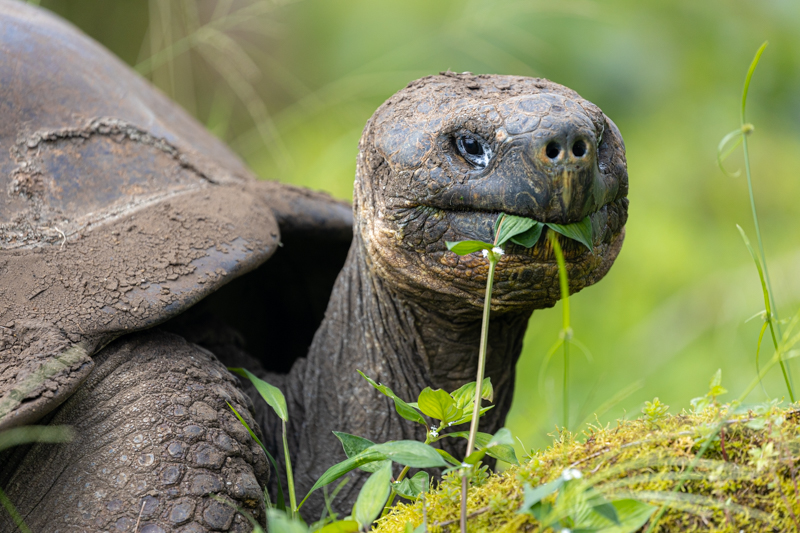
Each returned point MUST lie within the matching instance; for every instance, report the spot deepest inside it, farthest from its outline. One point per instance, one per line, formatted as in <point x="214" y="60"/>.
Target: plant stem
<point x="473" y="427"/>
<point x="772" y="315"/>
<point x="463" y="519"/>
<point x="289" y="476"/>
<point x="392" y="496"/>
<point x="563" y="281"/>
<point x="487" y="306"/>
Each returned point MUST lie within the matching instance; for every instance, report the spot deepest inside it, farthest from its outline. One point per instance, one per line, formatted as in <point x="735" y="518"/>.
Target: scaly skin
<point x="407" y="312"/>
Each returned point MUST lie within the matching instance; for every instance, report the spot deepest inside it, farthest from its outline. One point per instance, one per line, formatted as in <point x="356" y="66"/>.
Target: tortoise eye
<point x="474" y="150"/>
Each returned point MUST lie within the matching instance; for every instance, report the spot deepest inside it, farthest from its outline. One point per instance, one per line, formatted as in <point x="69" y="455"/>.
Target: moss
<point x="747" y="479"/>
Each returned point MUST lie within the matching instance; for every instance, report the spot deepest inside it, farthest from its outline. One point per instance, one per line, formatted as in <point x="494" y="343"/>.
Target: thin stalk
<point x="487" y="305"/>
<point x="463" y="519"/>
<point x="393" y="495"/>
<point x="563" y="281"/>
<point x="473" y="427"/>
<point x="289" y="476"/>
<point x="772" y="315"/>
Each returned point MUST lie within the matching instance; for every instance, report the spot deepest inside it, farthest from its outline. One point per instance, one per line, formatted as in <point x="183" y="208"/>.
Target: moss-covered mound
<point x="747" y="479"/>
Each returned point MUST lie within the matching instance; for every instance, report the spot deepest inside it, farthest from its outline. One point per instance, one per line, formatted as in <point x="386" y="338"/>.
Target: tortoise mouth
<point x="478" y="224"/>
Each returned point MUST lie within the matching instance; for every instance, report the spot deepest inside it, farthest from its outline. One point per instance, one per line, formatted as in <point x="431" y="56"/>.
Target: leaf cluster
<point x="525" y="232"/>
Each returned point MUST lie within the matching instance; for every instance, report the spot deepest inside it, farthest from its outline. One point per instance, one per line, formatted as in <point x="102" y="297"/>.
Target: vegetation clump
<point x="745" y="480"/>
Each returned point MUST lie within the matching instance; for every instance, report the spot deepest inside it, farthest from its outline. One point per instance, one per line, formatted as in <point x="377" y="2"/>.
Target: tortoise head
<point x="441" y="159"/>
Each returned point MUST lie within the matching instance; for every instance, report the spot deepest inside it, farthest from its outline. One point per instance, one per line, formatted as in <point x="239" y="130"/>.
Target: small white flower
<point x="498" y="250"/>
<point x="571" y="473"/>
<point x="434" y="432"/>
<point x="485" y="252"/>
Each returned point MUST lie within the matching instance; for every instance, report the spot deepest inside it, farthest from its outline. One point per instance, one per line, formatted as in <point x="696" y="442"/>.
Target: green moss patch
<point x="746" y="480"/>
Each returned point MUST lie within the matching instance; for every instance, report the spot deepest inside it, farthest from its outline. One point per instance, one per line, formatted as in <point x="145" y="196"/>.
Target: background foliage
<point x="290" y="85"/>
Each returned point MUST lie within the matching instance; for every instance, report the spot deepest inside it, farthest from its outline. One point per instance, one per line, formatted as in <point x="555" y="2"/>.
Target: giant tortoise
<point x="139" y="258"/>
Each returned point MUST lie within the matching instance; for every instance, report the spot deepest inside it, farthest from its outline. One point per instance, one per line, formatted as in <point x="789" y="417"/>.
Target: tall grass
<point x="740" y="136"/>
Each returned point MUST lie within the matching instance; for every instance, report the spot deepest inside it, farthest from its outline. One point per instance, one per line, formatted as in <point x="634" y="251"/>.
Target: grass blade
<point x="28" y="434"/>
<point x="15" y="516"/>
<point x="271" y="394"/>
<point x="281" y="503"/>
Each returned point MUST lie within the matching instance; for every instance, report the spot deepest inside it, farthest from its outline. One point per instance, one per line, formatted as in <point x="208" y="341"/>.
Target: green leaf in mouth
<point x="509" y="226"/>
<point x="578" y="231"/>
<point x="529" y="238"/>
<point x="526" y="233"/>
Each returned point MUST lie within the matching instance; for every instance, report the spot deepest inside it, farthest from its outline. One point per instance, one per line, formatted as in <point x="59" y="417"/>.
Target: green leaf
<point x="373" y="496"/>
<point x="468" y="417"/>
<point x="465" y="394"/>
<point x="579" y="231"/>
<point x="474" y="457"/>
<point x="449" y="458"/>
<point x="503" y="452"/>
<point x="509" y="226"/>
<point x="370" y="455"/>
<point x="540" y="511"/>
<point x="438" y="404"/>
<point x="607" y="511"/>
<point x="411" y="488"/>
<point x="601" y="506"/>
<point x="467" y="247"/>
<point x="503" y="436"/>
<point x="271" y="394"/>
<point x="529" y="238"/>
<point x="353" y="445"/>
<point x="411" y="529"/>
<point x="501" y="448"/>
<point x="279" y="522"/>
<point x="341" y="526"/>
<point x="535" y="495"/>
<point x="403" y="408"/>
<point x="715" y="387"/>
<point x="410" y="453"/>
<point x="281" y="503"/>
<point x="632" y="515"/>
<point x="408" y="412"/>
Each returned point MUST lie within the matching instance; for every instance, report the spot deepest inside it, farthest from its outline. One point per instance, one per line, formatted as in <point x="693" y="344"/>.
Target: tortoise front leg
<point x="156" y="444"/>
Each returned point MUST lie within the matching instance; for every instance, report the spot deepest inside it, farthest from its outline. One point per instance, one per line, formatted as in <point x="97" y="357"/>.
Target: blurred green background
<point x="289" y="85"/>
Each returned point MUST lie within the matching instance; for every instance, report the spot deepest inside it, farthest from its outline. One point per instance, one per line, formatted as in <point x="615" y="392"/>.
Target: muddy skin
<point x="407" y="312"/>
<point x="122" y="221"/>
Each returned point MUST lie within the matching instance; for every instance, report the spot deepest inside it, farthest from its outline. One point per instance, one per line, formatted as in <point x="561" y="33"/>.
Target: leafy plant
<point x="524" y="232"/>
<point x="655" y="410"/>
<point x="715" y="389"/>
<point x="578" y="506"/>
<point x="739" y="136"/>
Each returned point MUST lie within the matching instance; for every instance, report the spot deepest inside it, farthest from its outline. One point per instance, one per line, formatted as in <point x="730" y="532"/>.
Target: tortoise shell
<point x="121" y="211"/>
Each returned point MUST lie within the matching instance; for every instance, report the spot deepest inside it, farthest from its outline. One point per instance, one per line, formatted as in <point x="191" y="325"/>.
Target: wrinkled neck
<point x="399" y="343"/>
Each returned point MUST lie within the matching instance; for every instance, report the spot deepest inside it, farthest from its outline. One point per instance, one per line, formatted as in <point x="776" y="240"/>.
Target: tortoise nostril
<point x="579" y="148"/>
<point x="552" y="150"/>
